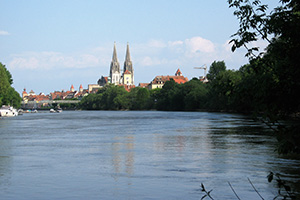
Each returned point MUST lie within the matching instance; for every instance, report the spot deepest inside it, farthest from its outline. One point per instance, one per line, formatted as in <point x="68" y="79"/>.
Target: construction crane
<point x="202" y="67"/>
<point x="203" y="78"/>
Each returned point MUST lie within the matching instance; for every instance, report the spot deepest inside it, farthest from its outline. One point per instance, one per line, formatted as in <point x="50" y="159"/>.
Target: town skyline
<point x="51" y="45"/>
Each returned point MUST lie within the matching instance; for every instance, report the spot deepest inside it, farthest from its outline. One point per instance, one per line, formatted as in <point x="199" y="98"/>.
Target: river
<point x="137" y="155"/>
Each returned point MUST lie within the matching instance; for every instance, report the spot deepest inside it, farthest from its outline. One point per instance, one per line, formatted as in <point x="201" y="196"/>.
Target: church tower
<point x="128" y="65"/>
<point x="115" y="73"/>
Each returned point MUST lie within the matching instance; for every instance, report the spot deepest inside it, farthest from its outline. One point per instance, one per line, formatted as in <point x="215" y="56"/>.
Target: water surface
<point x="137" y="155"/>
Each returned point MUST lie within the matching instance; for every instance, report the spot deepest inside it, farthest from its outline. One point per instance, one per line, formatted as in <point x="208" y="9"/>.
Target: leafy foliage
<point x="271" y="79"/>
<point x="8" y="95"/>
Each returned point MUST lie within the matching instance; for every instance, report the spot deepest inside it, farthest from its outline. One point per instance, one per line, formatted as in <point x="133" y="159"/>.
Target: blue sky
<point x="50" y="45"/>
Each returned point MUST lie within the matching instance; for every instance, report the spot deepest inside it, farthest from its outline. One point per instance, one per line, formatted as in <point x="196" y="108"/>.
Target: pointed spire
<point x="114" y="71"/>
<point x="115" y="58"/>
<point x="128" y="63"/>
<point x="72" y="88"/>
<point x="127" y="53"/>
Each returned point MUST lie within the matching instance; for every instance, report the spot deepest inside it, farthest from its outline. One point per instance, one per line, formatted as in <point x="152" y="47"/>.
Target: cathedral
<point x="115" y="75"/>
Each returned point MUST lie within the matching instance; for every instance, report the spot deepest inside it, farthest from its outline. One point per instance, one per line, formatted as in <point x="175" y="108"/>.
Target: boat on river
<point x="8" y="111"/>
<point x="59" y="110"/>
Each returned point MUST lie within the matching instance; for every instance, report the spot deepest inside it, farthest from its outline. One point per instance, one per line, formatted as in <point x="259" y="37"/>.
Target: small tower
<point x="127" y="78"/>
<point x="128" y="65"/>
<point x="72" y="88"/>
<point x="80" y="88"/>
<point x="178" y="72"/>
<point x="24" y="94"/>
<point x="114" y="72"/>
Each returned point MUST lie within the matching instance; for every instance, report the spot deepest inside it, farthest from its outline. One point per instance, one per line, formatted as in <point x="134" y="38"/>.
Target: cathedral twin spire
<point x="115" y="73"/>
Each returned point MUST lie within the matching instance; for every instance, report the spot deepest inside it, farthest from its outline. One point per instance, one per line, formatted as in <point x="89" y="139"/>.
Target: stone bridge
<point x="36" y="104"/>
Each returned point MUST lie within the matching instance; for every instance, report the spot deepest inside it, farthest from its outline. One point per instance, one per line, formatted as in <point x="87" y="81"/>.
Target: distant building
<point x="127" y="87"/>
<point x="128" y="73"/>
<point x="104" y="80"/>
<point x="72" y="88"/>
<point x="31" y="93"/>
<point x="159" y="81"/>
<point x="71" y="94"/>
<point x="80" y="88"/>
<point x="24" y="94"/>
<point x="203" y="79"/>
<point x="93" y="88"/>
<point x="114" y="71"/>
<point x="115" y="75"/>
<point x="143" y="85"/>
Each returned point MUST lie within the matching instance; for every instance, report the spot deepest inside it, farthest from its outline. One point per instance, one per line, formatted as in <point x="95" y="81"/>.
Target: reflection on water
<point x="123" y="156"/>
<point x="137" y="155"/>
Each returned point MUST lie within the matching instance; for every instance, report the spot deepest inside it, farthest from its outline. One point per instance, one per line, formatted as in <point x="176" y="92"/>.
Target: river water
<point x="137" y="155"/>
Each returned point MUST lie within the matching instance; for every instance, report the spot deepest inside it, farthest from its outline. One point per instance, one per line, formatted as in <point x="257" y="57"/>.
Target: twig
<point x="255" y="189"/>
<point x="234" y="191"/>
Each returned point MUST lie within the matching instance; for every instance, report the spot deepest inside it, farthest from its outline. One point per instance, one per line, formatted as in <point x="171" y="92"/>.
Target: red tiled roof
<point x="38" y="98"/>
<point x="143" y="85"/>
<point x="127" y="72"/>
<point x="163" y="79"/>
<point x="127" y="87"/>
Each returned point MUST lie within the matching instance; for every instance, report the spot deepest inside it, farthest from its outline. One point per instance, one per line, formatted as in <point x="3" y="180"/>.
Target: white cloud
<point x="175" y="43"/>
<point x="4" y="33"/>
<point x="52" y="60"/>
<point x="199" y="45"/>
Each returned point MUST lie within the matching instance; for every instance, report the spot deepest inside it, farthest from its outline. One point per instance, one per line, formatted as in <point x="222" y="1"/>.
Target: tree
<point x="252" y="18"/>
<point x="195" y="94"/>
<point x="4" y="84"/>
<point x="275" y="72"/>
<point x="140" y="98"/>
<point x="215" y="68"/>
<point x="223" y="90"/>
<point x="8" y="95"/>
<point x="170" y="97"/>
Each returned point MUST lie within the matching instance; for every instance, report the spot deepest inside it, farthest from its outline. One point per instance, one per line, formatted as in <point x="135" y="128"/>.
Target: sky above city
<point x="50" y="45"/>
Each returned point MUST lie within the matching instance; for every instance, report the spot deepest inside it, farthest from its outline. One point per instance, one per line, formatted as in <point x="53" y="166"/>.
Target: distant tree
<point x="215" y="68"/>
<point x="195" y="94"/>
<point x="139" y="98"/>
<point x="154" y="96"/>
<point x="170" y="97"/>
<point x="223" y="90"/>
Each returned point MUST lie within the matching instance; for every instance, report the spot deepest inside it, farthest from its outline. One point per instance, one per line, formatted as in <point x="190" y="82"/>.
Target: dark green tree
<point x="276" y="72"/>
<point x="223" y="90"/>
<point x="8" y="95"/>
<point x="139" y="99"/>
<point x="195" y="94"/>
<point x="215" y="68"/>
<point x="170" y="97"/>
